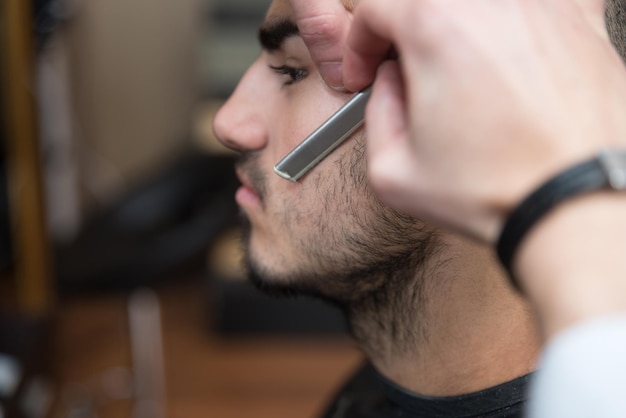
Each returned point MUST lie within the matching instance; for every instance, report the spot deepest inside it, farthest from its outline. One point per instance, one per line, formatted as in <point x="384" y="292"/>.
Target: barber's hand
<point x="488" y="100"/>
<point x="324" y="26"/>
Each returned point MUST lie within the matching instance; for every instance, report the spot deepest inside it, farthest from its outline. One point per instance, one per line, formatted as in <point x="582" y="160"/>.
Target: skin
<point x="563" y="104"/>
<point x="324" y="28"/>
<point x="541" y="78"/>
<point x="431" y="310"/>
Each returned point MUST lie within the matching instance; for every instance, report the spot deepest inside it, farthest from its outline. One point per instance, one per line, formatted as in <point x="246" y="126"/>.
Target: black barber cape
<point x="369" y="395"/>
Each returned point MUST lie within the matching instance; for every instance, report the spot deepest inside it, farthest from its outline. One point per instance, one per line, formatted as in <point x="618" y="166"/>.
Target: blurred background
<point x="121" y="293"/>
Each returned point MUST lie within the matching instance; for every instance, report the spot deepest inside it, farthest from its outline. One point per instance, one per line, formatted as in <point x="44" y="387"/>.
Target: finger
<point x="324" y="25"/>
<point x="369" y="43"/>
<point x="390" y="160"/>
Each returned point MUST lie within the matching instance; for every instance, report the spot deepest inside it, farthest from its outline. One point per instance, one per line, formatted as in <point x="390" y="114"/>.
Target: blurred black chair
<point x="159" y="229"/>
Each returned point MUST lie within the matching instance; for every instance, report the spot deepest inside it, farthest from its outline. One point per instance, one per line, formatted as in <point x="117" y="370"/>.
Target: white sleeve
<point x="583" y="373"/>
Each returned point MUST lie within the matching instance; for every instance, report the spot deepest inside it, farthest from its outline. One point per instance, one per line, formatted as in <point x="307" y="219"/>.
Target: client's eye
<point x="294" y="74"/>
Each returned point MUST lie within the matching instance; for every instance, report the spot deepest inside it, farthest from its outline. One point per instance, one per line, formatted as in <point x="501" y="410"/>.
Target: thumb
<point x="324" y="25"/>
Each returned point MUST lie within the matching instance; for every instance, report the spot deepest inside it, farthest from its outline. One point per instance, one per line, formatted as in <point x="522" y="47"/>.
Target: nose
<point x="240" y="124"/>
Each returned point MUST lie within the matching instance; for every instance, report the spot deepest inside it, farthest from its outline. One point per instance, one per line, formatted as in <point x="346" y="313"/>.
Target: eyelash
<point x="295" y="74"/>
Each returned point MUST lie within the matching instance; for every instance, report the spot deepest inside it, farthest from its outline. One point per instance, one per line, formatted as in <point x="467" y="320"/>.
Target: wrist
<point x="606" y="171"/>
<point x="572" y="263"/>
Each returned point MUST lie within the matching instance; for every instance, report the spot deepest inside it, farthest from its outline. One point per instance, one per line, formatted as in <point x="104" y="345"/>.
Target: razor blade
<point x="324" y="139"/>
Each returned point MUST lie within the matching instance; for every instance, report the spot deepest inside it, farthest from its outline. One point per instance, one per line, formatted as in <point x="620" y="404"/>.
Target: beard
<point x="372" y="256"/>
<point x="382" y="296"/>
<point x="367" y="269"/>
<point x="372" y="262"/>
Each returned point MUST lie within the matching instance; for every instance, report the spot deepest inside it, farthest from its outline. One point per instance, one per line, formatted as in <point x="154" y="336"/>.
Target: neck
<point x="456" y="327"/>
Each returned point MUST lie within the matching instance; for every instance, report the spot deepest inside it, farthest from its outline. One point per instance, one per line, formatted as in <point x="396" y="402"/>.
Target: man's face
<point x="327" y="233"/>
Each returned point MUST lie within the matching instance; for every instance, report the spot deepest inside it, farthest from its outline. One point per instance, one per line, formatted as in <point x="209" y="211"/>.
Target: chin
<point x="260" y="273"/>
<point x="269" y="284"/>
<point x="287" y="283"/>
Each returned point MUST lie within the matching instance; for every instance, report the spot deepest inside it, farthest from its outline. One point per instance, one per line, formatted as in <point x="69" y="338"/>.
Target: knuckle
<point x="380" y="176"/>
<point x="320" y="28"/>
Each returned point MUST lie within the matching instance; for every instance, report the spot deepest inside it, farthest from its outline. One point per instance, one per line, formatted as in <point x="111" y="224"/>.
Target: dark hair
<point x="616" y="24"/>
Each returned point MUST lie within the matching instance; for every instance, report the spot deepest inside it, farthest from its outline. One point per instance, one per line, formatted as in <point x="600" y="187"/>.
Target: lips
<point x="247" y="195"/>
<point x="243" y="179"/>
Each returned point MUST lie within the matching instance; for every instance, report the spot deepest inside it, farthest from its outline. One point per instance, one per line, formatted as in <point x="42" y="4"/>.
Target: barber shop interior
<point x="123" y="288"/>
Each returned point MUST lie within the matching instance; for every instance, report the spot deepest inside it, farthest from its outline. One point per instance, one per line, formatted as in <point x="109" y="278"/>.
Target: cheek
<point x="323" y="198"/>
<point x="297" y="205"/>
<point x="301" y="112"/>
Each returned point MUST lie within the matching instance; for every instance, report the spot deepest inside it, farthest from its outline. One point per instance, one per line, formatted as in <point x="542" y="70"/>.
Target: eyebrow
<point x="272" y="36"/>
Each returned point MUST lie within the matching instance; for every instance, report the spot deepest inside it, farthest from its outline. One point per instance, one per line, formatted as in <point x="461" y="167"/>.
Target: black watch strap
<point x="605" y="171"/>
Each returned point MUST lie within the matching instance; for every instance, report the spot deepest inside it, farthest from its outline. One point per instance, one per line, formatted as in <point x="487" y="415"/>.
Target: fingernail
<point x="332" y="73"/>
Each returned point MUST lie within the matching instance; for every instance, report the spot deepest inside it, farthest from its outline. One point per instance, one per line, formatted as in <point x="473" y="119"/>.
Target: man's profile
<point x="433" y="313"/>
